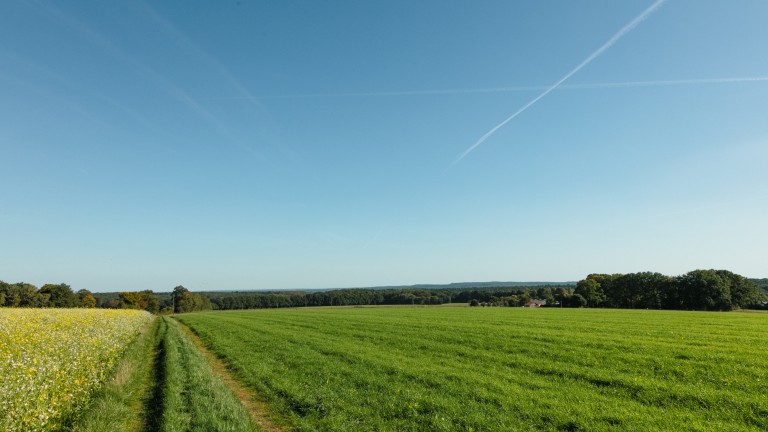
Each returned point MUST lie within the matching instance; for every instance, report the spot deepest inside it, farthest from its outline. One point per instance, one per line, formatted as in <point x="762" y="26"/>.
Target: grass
<point x="498" y="369"/>
<point x="121" y="404"/>
<point x="195" y="398"/>
<point x="165" y="384"/>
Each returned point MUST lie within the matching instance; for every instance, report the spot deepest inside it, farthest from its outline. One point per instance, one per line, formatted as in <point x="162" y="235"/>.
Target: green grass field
<point x="165" y="384"/>
<point x="498" y="369"/>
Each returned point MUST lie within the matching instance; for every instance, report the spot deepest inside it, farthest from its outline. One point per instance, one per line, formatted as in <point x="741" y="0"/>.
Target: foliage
<point x="85" y="299"/>
<point x="187" y="301"/>
<point x="498" y="296"/>
<point x="696" y="290"/>
<point x="499" y="369"/>
<point x="144" y="300"/>
<point x="52" y="360"/>
<point x="58" y="295"/>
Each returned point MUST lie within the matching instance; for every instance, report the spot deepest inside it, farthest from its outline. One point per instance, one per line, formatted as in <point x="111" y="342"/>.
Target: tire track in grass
<point x="256" y="408"/>
<point x="155" y="404"/>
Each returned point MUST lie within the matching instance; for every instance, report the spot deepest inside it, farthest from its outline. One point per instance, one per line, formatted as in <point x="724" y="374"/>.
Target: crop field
<point x="498" y="369"/>
<point x="52" y="360"/>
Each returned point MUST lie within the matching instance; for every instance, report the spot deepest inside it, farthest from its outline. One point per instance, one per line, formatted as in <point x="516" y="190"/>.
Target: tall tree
<point x="61" y="295"/>
<point x="150" y="301"/>
<point x="591" y="291"/>
<point x="704" y="290"/>
<point x="744" y="292"/>
<point x="131" y="300"/>
<point x="85" y="299"/>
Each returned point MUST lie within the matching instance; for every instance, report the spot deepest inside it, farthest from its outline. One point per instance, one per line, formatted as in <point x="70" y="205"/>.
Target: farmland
<point x="383" y="369"/>
<point x="52" y="360"/>
<point x="498" y="369"/>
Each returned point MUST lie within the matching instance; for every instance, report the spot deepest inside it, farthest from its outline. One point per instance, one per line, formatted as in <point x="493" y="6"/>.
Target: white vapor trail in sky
<point x="598" y="85"/>
<point x="624" y="30"/>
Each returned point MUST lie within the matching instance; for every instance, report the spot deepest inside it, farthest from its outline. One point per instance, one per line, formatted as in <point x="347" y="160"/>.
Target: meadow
<point x="52" y="360"/>
<point x="497" y="369"/>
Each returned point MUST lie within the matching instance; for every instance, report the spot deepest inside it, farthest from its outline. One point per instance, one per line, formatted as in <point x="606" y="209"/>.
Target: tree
<point x="186" y="301"/>
<point x="85" y="299"/>
<point x="182" y="302"/>
<point x="644" y="290"/>
<point x="61" y="295"/>
<point x="130" y="300"/>
<point x="22" y="294"/>
<point x="4" y="287"/>
<point x="150" y="301"/>
<point x="577" y="300"/>
<point x="704" y="290"/>
<point x="744" y="292"/>
<point x="590" y="291"/>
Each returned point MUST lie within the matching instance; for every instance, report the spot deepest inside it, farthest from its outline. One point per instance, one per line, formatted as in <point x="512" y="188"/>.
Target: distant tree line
<point x="390" y="296"/>
<point x="712" y="290"/>
<point x="23" y="294"/>
<point x="696" y="290"/>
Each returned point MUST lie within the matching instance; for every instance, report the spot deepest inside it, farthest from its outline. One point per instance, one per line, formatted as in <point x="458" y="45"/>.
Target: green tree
<point x="590" y="290"/>
<point x="61" y="295"/>
<point x="150" y="301"/>
<point x="704" y="290"/>
<point x="186" y="301"/>
<point x="4" y="287"/>
<point x="744" y="292"/>
<point x="85" y="299"/>
<point x="22" y="294"/>
<point x="644" y="290"/>
<point x="577" y="300"/>
<point x="130" y="300"/>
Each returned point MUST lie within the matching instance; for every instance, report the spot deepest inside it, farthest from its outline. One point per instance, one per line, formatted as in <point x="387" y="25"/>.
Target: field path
<point x="256" y="408"/>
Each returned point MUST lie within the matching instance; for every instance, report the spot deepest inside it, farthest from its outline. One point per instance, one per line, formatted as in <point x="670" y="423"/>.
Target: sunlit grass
<point x="499" y="369"/>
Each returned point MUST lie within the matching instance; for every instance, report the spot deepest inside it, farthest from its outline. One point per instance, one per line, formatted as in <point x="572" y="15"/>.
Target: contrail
<point x="598" y="85"/>
<point x="624" y="30"/>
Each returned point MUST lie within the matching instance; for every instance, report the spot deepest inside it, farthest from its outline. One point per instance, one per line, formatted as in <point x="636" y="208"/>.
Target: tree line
<point x="711" y="290"/>
<point x="23" y="294"/>
<point x="388" y="296"/>
<point x="695" y="290"/>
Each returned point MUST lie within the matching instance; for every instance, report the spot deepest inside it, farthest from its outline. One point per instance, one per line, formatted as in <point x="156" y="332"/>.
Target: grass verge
<point x="194" y="397"/>
<point x="120" y="404"/>
<point x="165" y="384"/>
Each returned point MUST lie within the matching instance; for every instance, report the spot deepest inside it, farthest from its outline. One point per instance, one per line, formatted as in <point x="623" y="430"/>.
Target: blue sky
<point x="263" y="145"/>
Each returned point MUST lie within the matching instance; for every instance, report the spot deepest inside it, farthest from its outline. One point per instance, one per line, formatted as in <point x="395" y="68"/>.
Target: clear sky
<point x="304" y="144"/>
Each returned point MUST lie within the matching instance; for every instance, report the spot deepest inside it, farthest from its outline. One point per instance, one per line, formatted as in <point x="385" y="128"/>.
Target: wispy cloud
<point x="98" y="39"/>
<point x="188" y="45"/>
<point x="624" y="30"/>
<point x="212" y="63"/>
